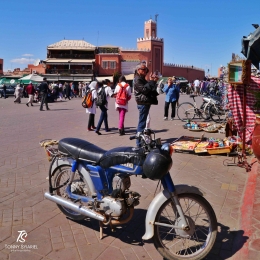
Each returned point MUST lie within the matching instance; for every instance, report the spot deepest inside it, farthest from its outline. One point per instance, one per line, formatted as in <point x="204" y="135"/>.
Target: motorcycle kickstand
<point x="112" y="227"/>
<point x="100" y="230"/>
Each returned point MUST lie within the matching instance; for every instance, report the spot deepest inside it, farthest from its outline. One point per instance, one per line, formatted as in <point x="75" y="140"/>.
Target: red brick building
<point x="78" y="60"/>
<point x="1" y="66"/>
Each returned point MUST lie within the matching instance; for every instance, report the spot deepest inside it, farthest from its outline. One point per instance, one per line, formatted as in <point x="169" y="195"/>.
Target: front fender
<point x="157" y="202"/>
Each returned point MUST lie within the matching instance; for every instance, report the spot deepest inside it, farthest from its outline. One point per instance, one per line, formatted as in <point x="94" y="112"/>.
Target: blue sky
<point x="202" y="33"/>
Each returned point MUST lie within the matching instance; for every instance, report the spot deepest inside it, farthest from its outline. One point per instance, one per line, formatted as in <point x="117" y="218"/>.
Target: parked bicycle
<point x="218" y="113"/>
<point x="187" y="111"/>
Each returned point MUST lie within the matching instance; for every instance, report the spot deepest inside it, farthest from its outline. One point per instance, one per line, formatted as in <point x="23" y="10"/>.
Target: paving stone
<point x="64" y="253"/>
<point x="24" y="255"/>
<point x="253" y="255"/>
<point x="113" y="254"/>
<point x="4" y="256"/>
<point x="91" y="251"/>
<point x="24" y="168"/>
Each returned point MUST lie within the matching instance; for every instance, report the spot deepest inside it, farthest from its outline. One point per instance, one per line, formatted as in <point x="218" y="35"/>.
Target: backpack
<point x="87" y="101"/>
<point x="122" y="97"/>
<point x="101" y="97"/>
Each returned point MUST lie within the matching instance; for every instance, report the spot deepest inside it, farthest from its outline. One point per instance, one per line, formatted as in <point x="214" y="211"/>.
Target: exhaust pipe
<point x="75" y="207"/>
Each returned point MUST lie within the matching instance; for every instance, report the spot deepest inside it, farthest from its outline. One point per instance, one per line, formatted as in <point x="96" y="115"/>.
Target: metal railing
<point x="71" y="71"/>
<point x="71" y="56"/>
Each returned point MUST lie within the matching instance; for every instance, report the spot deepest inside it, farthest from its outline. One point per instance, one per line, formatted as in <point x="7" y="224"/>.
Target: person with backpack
<point x="104" y="93"/>
<point x="123" y="95"/>
<point x="91" y="109"/>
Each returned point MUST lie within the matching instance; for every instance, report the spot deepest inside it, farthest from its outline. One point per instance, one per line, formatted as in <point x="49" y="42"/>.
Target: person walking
<point x="18" y="94"/>
<point x="30" y="91"/>
<point x="92" y="110"/>
<point x="60" y="91"/>
<point x="104" y="86"/>
<point x="197" y="87"/>
<point x="80" y="89"/>
<point x="73" y="90"/>
<point x="145" y="95"/>
<point x="123" y="95"/>
<point x="67" y="90"/>
<point x="172" y="92"/>
<point x="4" y="91"/>
<point x="44" y="91"/>
<point x="24" y="93"/>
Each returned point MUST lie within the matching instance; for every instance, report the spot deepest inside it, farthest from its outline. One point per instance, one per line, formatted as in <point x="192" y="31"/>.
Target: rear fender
<point x="69" y="161"/>
<point x="157" y="202"/>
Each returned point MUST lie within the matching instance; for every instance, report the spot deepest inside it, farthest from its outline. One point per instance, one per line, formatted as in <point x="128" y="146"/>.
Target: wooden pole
<point x="244" y="123"/>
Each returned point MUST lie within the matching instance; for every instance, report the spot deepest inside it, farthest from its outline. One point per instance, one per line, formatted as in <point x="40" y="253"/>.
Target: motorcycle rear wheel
<point x="171" y="243"/>
<point x="60" y="176"/>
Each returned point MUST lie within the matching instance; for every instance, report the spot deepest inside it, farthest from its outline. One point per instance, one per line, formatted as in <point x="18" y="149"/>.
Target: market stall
<point x="204" y="145"/>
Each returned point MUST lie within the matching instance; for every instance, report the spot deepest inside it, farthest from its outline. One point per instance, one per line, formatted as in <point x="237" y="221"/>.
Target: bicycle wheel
<point x="175" y="243"/>
<point x="217" y="114"/>
<point x="205" y="111"/>
<point x="186" y="111"/>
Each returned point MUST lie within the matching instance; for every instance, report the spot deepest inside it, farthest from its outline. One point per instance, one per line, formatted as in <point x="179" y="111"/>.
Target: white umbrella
<point x="32" y="77"/>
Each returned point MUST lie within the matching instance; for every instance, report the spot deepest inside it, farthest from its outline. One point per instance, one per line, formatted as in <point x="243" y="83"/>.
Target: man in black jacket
<point x="145" y="95"/>
<point x="4" y="91"/>
<point x="44" y="90"/>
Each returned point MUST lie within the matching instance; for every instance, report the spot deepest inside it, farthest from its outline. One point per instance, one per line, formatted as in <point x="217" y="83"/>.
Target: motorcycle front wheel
<point x="61" y="177"/>
<point x="175" y="243"/>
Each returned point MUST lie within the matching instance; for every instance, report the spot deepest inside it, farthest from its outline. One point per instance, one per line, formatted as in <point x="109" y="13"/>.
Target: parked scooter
<point x="86" y="181"/>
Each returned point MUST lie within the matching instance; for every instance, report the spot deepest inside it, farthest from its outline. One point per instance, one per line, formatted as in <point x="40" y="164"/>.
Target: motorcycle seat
<point x="122" y="155"/>
<point x="80" y="149"/>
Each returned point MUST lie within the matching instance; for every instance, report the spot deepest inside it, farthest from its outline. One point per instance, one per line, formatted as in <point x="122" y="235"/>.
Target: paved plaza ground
<point x="24" y="168"/>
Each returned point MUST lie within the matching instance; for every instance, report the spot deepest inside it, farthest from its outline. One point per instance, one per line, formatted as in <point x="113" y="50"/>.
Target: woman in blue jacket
<point x="172" y="92"/>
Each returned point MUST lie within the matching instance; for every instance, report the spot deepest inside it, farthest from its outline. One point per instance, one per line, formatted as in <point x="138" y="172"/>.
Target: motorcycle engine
<point x="79" y="187"/>
<point x="121" y="183"/>
<point x="121" y="198"/>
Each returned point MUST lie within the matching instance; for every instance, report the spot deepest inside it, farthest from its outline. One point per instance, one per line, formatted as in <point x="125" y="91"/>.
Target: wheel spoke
<point x="186" y="243"/>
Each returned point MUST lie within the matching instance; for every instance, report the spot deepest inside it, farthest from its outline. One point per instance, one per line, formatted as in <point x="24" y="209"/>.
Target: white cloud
<point x="23" y="60"/>
<point x="27" y="55"/>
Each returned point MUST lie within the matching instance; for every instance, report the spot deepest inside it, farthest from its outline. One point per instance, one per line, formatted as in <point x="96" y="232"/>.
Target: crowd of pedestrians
<point x="57" y="91"/>
<point x="145" y="92"/>
<point x="207" y="86"/>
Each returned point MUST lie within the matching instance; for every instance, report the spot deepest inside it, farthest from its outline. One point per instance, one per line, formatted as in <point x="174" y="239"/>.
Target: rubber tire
<point x="205" y="116"/>
<point x="56" y="173"/>
<point x="1" y="95"/>
<point x="179" y="112"/>
<point x="215" y="117"/>
<point x="164" y="252"/>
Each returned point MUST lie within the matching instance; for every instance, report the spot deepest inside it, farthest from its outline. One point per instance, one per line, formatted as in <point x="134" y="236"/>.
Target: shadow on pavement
<point x="130" y="233"/>
<point x="59" y="109"/>
<point x="226" y="245"/>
